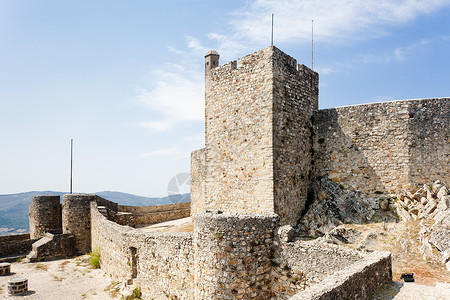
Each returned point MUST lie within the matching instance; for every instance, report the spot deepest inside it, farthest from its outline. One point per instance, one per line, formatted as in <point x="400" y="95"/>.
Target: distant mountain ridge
<point x="14" y="207"/>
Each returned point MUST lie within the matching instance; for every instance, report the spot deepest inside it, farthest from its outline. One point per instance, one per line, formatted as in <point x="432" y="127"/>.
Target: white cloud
<point x="402" y="53"/>
<point x="157" y="125"/>
<point x="334" y="20"/>
<point x="324" y="70"/>
<point x="177" y="95"/>
<point x="398" y="54"/>
<point x="174" y="50"/>
<point x="195" y="45"/>
<point x="168" y="152"/>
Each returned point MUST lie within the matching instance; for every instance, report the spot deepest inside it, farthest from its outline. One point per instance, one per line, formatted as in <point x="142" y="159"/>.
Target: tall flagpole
<point x="312" y="44"/>
<point x="71" y="163"/>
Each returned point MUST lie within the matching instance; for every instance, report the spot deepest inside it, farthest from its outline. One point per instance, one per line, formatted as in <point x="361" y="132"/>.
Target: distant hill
<point x="14" y="207"/>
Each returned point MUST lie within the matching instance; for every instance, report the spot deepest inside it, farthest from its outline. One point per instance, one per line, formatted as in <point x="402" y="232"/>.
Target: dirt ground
<point x="61" y="279"/>
<point x="432" y="280"/>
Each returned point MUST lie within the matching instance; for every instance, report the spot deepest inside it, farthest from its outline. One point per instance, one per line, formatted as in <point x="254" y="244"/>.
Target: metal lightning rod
<point x="312" y="45"/>
<point x="271" y="42"/>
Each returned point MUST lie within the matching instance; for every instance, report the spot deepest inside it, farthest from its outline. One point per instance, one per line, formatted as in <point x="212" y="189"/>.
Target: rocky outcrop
<point x="431" y="206"/>
<point x="333" y="206"/>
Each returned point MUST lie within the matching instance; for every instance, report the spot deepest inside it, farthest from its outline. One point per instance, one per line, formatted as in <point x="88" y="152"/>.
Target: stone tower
<point x="211" y="60"/>
<point x="45" y="216"/>
<point x="258" y="133"/>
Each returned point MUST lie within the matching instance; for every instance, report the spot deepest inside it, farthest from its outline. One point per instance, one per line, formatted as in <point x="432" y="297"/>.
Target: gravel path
<point x="408" y="291"/>
<point x="68" y="279"/>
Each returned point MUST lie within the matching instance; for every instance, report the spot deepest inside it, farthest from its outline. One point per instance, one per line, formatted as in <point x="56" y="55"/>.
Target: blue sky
<point x="124" y="79"/>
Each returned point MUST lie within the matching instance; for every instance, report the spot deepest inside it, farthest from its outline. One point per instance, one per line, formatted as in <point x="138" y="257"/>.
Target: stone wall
<point x="429" y="130"/>
<point x="178" y="211"/>
<point x="233" y="255"/>
<point x="239" y="141"/>
<point x="198" y="181"/>
<point x="44" y="216"/>
<point x="258" y="134"/>
<point x="381" y="146"/>
<point x="357" y="281"/>
<point x="53" y="246"/>
<point x="295" y="97"/>
<point x="152" y="209"/>
<point x="160" y="263"/>
<point x="12" y="245"/>
<point x="76" y="219"/>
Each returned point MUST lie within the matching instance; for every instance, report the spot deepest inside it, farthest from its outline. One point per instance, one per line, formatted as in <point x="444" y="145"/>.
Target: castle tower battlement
<point x="258" y="134"/>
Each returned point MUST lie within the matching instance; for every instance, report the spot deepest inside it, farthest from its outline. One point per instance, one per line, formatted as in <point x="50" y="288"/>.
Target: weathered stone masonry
<point x="384" y="146"/>
<point x="44" y="216"/>
<point x="258" y="134"/>
<point x="161" y="264"/>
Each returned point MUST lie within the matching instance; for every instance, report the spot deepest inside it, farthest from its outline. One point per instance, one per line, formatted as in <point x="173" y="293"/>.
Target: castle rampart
<point x="383" y="147"/>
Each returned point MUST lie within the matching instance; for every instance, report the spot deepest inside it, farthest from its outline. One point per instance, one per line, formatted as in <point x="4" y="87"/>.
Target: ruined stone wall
<point x="239" y="140"/>
<point x="233" y="255"/>
<point x="198" y="170"/>
<point x="12" y="245"/>
<point x="44" y="216"/>
<point x="295" y="97"/>
<point x="380" y="146"/>
<point x="160" y="263"/>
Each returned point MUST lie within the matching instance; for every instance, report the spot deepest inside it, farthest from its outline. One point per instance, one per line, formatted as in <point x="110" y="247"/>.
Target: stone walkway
<point x="409" y="291"/>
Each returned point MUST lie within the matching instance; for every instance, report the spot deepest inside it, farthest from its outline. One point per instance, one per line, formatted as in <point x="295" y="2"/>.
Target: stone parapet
<point x="53" y="246"/>
<point x="358" y="281"/>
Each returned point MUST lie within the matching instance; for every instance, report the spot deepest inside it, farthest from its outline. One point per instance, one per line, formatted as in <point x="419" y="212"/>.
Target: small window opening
<point x="133" y="252"/>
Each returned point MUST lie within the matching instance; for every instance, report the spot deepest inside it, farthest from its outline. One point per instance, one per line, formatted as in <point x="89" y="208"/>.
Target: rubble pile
<point x="430" y="205"/>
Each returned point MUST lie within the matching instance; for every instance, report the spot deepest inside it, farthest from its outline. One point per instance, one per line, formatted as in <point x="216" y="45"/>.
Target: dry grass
<point x="40" y="266"/>
<point x="113" y="288"/>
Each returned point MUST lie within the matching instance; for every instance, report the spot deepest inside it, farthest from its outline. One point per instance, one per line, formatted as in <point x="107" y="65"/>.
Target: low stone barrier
<point x="358" y="281"/>
<point x="5" y="269"/>
<point x="15" y="244"/>
<point x="17" y="286"/>
<point x="53" y="246"/>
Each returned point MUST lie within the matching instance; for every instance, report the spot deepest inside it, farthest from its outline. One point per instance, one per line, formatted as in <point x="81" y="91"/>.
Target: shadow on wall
<point x="341" y="147"/>
<point x="430" y="141"/>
